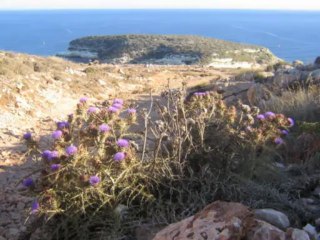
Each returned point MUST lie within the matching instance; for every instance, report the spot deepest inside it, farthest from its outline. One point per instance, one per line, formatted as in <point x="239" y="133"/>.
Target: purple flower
<point x="132" y="111"/>
<point x="56" y="134"/>
<point x="92" y="110"/>
<point x="117" y="105"/>
<point x="278" y="141"/>
<point x="28" y="182"/>
<point x="35" y="207"/>
<point x="62" y="125"/>
<point x="284" y="132"/>
<point x="119" y="156"/>
<point x="123" y="143"/>
<point x="118" y="100"/>
<point x="50" y="155"/>
<point x="53" y="155"/>
<point x="83" y="99"/>
<point x="113" y="109"/>
<point x="199" y="94"/>
<point x="55" y="167"/>
<point x="27" y="136"/>
<point x="261" y="117"/>
<point x="270" y="115"/>
<point x="291" y="122"/>
<point x="94" y="180"/>
<point x="46" y="154"/>
<point x="104" y="128"/>
<point x="71" y="150"/>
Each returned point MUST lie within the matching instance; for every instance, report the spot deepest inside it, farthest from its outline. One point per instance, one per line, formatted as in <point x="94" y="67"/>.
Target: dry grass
<point x="302" y="104"/>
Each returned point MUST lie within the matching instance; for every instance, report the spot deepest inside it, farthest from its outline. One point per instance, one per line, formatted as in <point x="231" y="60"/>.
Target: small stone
<point x="297" y="234"/>
<point x="311" y="230"/>
<point x="273" y="217"/>
<point x="307" y="201"/>
<point x="2" y="238"/>
<point x="102" y="82"/>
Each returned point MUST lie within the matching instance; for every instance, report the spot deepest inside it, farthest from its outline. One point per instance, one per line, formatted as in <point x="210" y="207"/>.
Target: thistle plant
<point x="97" y="163"/>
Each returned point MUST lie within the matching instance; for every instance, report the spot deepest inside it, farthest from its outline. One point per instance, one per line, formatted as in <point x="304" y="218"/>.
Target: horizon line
<point x="134" y="9"/>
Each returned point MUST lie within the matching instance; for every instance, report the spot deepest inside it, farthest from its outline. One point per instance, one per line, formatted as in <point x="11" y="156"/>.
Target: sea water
<point x="288" y="34"/>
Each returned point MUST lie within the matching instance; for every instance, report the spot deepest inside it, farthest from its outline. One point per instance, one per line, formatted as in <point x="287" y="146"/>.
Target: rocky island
<point x="168" y="50"/>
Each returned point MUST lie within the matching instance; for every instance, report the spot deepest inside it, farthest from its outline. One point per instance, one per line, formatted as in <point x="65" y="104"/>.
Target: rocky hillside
<point x="168" y="49"/>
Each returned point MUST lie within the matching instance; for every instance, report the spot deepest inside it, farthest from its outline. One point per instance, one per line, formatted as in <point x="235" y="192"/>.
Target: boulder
<point x="219" y="220"/>
<point x="317" y="61"/>
<point x="257" y="94"/>
<point x="273" y="217"/>
<point x="286" y="79"/>
<point x="315" y="75"/>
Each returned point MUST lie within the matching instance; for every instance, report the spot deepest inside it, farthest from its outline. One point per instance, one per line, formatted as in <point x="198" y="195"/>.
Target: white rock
<point x="102" y="82"/>
<point x="273" y="217"/>
<point x="298" y="234"/>
<point x="311" y="230"/>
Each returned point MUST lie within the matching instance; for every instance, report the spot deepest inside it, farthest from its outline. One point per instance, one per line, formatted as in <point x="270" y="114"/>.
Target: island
<point x="168" y="50"/>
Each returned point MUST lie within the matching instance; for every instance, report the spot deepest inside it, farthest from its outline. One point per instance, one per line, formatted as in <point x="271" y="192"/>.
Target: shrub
<point x="100" y="179"/>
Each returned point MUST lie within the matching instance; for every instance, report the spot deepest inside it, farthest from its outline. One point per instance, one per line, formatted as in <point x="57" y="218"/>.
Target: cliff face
<point x="167" y="49"/>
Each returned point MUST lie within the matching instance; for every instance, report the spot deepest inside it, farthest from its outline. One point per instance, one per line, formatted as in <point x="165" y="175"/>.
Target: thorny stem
<point x="146" y="120"/>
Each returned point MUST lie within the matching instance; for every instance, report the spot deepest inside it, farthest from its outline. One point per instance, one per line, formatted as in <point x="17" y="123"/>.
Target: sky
<point x="163" y="4"/>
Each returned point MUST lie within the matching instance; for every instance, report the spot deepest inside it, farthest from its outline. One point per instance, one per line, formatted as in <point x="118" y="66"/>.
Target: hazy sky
<point x="233" y="4"/>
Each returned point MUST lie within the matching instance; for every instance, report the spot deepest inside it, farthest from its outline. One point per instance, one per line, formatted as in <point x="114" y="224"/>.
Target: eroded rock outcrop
<point x="230" y="221"/>
<point x="219" y="220"/>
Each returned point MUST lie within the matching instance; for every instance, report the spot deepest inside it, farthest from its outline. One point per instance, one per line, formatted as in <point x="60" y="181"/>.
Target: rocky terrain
<point x="36" y="92"/>
<point x="168" y="50"/>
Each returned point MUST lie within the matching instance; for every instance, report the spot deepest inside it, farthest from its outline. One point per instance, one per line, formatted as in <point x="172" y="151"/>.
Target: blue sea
<point x="288" y="34"/>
